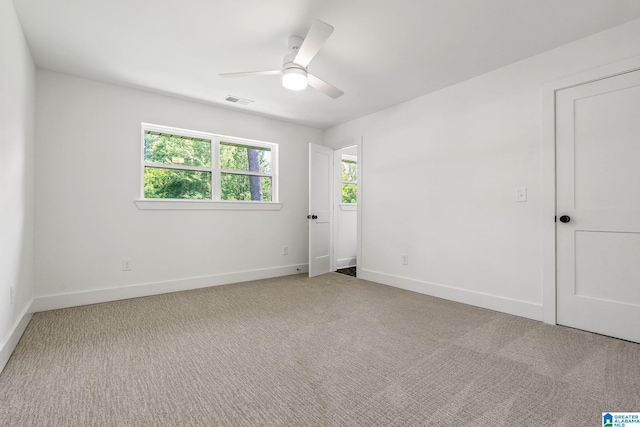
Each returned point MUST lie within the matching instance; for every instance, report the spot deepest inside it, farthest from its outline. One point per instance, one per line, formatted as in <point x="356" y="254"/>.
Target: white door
<point x="598" y="192"/>
<point x="320" y="179"/>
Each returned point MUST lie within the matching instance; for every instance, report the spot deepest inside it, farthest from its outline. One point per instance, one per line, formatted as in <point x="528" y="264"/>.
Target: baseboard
<point x="74" y="299"/>
<point x="478" y="299"/>
<point x="16" y="333"/>
<point x="346" y="262"/>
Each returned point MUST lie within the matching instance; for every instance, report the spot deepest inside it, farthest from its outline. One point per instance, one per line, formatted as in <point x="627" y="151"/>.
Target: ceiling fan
<point x="294" y="69"/>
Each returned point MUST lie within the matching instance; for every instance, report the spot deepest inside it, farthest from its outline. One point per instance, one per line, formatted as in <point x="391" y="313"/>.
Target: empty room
<point x="320" y="213"/>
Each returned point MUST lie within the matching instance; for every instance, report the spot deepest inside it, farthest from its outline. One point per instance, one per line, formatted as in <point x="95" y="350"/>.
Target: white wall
<point x="440" y="174"/>
<point x="17" y="87"/>
<point x="88" y="162"/>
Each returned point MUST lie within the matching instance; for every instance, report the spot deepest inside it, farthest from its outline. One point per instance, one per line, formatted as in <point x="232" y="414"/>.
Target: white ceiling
<point x="382" y="52"/>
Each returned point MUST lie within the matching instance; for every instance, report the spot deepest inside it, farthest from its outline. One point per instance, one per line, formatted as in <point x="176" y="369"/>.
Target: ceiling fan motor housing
<point x="294" y="75"/>
<point x="294" y="45"/>
<point x="288" y="63"/>
<point x="295" y="42"/>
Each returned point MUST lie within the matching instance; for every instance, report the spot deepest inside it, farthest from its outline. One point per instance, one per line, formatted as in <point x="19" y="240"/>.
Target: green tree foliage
<point x="171" y="183"/>
<point x="234" y="157"/>
<point x="188" y="184"/>
<point x="349" y="193"/>
<point x="171" y="149"/>
<point x="238" y="187"/>
<point x="176" y="184"/>
<point x="349" y="179"/>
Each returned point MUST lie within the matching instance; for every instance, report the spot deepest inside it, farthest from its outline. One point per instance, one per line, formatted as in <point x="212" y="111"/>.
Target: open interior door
<point x="320" y="174"/>
<point x="598" y="205"/>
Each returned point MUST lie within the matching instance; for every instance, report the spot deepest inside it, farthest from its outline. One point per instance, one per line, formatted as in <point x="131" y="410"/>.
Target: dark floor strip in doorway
<point x="349" y="271"/>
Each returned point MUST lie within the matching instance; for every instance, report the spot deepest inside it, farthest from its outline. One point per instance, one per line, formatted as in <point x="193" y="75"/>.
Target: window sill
<point x="348" y="207"/>
<point x="163" y="204"/>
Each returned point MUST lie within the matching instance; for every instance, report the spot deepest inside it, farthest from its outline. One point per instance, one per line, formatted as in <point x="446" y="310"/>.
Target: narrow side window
<point x="349" y="179"/>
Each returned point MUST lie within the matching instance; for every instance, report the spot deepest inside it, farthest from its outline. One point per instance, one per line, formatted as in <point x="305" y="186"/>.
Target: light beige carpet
<point x="293" y="351"/>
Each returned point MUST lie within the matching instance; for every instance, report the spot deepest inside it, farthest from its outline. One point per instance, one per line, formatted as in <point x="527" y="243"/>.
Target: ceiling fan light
<point x="294" y="79"/>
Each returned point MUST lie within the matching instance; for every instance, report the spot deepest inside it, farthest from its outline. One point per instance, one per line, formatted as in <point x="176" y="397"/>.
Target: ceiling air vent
<point x="238" y="100"/>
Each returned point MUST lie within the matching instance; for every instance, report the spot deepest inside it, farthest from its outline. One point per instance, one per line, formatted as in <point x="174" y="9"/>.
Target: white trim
<point x="478" y="299"/>
<point x="247" y="173"/>
<point x="174" y="130"/>
<point x="74" y="299"/>
<point x="7" y="347"/>
<point x="547" y="96"/>
<point x="142" y="156"/>
<point x="359" y="213"/>
<point x="275" y="172"/>
<point x="175" y="204"/>
<point x="348" y="206"/>
<point x="346" y="262"/>
<point x="216" y="178"/>
<point x="176" y="167"/>
<point x="548" y="205"/>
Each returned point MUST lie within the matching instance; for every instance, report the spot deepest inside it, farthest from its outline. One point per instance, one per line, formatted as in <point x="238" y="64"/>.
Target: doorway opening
<point x="345" y="210"/>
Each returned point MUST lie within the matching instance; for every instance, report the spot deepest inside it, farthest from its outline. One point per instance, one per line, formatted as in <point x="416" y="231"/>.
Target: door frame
<point x="548" y="112"/>
<point x="359" y="144"/>
<point x="332" y="223"/>
<point x="337" y="184"/>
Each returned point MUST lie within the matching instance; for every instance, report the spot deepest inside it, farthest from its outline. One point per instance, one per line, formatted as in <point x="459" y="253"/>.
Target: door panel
<point x="320" y="170"/>
<point x="598" y="186"/>
<point x="604" y="125"/>
<point x="595" y="252"/>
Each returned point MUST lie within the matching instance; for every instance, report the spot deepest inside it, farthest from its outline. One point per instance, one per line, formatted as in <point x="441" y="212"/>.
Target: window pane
<point x="176" y="184"/>
<point x="177" y="150"/>
<point x="245" y="187"/>
<point x="244" y="158"/>
<point x="349" y="193"/>
<point x="349" y="171"/>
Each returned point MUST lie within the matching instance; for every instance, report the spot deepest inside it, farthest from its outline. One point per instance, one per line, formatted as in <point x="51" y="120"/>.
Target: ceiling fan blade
<point x="324" y="87"/>
<point x="317" y="35"/>
<point x="252" y="73"/>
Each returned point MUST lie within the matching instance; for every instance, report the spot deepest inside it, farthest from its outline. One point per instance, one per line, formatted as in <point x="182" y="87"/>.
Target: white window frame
<point x="215" y="202"/>
<point x="352" y="159"/>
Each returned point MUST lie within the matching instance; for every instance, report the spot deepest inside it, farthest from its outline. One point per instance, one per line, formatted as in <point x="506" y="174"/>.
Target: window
<point x="349" y="179"/>
<point x="176" y="166"/>
<point x="180" y="164"/>
<point x="245" y="172"/>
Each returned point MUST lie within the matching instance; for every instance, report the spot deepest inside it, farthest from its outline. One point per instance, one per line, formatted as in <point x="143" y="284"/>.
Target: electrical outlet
<point x="285" y="250"/>
<point x="405" y="259"/>
<point x="126" y="264"/>
<point x="12" y="294"/>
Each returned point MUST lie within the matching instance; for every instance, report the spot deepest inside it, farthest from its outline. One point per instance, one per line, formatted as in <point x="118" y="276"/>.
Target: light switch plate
<point x="521" y="194"/>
